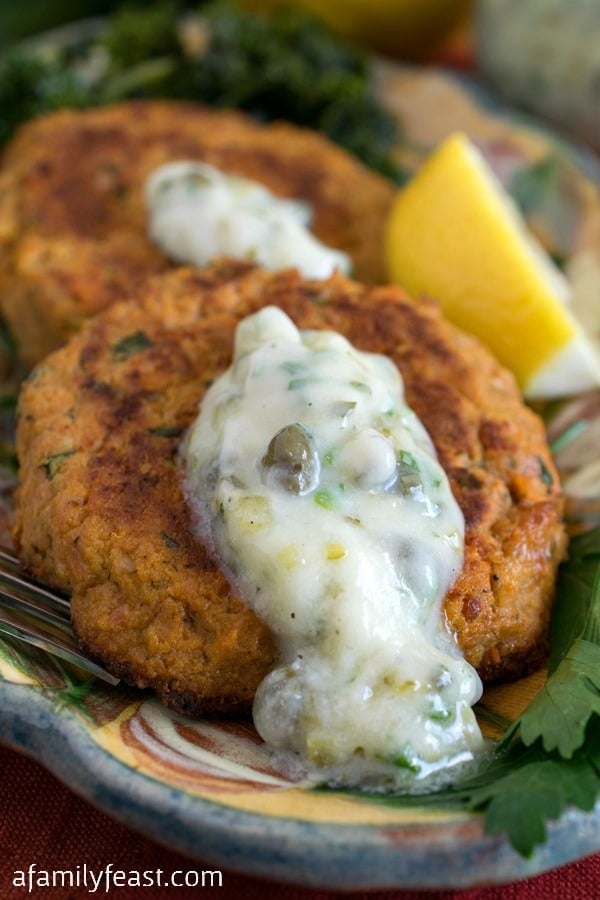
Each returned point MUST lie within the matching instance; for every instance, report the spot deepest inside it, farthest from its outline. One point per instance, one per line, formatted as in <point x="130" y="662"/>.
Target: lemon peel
<point x="454" y="234"/>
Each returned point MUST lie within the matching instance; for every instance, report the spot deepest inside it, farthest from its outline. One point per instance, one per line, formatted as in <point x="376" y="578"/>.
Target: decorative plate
<point x="209" y="788"/>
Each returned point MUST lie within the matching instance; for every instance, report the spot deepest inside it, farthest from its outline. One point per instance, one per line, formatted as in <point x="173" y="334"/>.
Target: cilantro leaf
<point x="577" y="608"/>
<point x="549" y="785"/>
<point x="554" y="747"/>
<point x="559" y="714"/>
<point x="522" y="788"/>
<point x="549" y="758"/>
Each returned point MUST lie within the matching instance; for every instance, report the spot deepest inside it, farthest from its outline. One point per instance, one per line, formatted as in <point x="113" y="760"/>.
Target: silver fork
<point x="32" y="613"/>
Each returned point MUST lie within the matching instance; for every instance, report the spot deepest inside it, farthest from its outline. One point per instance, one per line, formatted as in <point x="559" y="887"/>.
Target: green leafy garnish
<point x="549" y="758"/>
<point x="288" y="65"/>
<point x="553" y="750"/>
<point x="560" y="714"/>
<point x="31" y="85"/>
<point x="525" y="789"/>
<point x="133" y="38"/>
<point x="542" y="189"/>
<point x="531" y="184"/>
<point x="577" y="609"/>
<point x="551" y="754"/>
<point x="282" y="65"/>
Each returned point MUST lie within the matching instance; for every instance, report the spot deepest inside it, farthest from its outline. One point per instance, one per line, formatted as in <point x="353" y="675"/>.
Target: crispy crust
<point x="72" y="216"/>
<point x="100" y="510"/>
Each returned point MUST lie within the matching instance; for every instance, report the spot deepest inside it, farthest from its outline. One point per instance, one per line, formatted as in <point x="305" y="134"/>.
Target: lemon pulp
<point x="455" y="235"/>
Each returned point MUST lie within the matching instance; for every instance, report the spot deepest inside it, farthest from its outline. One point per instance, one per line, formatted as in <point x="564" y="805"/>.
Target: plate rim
<point x="325" y="855"/>
<point x="254" y="844"/>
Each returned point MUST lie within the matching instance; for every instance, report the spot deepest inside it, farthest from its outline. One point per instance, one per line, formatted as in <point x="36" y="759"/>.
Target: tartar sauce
<point x="197" y="213"/>
<point x="320" y="491"/>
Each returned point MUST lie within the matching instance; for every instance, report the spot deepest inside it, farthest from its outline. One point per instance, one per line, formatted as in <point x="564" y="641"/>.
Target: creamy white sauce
<point x="320" y="491"/>
<point x="197" y="213"/>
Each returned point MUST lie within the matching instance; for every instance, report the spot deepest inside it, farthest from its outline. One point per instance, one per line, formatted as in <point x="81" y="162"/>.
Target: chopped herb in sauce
<point x="326" y="545"/>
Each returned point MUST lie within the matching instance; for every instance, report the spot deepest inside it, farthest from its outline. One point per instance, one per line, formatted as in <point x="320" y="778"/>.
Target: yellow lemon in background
<point x="454" y="234"/>
<point x="403" y="28"/>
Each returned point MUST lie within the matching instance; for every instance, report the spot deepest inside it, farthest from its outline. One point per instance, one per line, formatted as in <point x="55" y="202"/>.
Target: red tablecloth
<point x="44" y="824"/>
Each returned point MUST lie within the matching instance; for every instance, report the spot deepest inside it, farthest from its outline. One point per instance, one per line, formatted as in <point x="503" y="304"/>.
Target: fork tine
<point x="27" y="588"/>
<point x="23" y="598"/>
<point x="63" y="646"/>
<point x="9" y="557"/>
<point x="32" y="613"/>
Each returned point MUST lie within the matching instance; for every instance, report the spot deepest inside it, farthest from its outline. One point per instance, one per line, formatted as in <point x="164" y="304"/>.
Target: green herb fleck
<point x="531" y="184"/>
<point x="52" y="464"/>
<point x="409" y="476"/>
<point x="168" y="541"/>
<point x="130" y="345"/>
<point x="546" y="474"/>
<point x="296" y="384"/>
<point x="360" y="386"/>
<point x="403" y="761"/>
<point x="167" y="432"/>
<point x="440" y="715"/>
<point x="325" y="499"/>
<point x="293" y="368"/>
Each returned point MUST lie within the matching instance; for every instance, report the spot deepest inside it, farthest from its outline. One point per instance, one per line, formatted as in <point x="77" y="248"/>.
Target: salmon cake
<point x="73" y="222"/>
<point x="100" y="510"/>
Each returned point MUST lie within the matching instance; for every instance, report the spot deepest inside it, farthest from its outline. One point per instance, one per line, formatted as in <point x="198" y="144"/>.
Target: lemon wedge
<point x="454" y="234"/>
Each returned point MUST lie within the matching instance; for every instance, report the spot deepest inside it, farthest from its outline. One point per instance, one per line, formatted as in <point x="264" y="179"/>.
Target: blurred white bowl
<point x="544" y="55"/>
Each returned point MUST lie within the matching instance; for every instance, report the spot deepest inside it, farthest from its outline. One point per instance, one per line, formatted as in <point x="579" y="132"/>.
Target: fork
<point x="33" y="614"/>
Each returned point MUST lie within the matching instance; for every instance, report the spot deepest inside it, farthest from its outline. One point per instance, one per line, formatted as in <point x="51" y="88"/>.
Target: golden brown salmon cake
<point x="72" y="214"/>
<point x="100" y="510"/>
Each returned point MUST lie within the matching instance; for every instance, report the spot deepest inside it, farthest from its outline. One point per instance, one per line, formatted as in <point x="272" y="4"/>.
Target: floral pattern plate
<point x="209" y="789"/>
